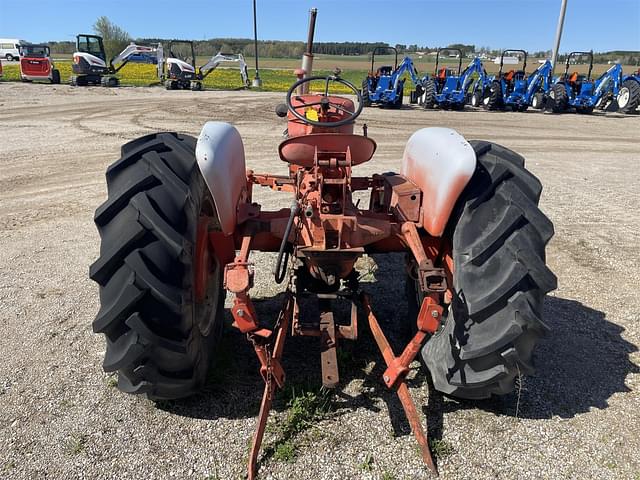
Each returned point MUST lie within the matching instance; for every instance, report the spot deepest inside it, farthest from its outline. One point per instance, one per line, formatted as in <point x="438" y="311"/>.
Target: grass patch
<point x="112" y="381"/>
<point x="440" y="448"/>
<point x="285" y="452"/>
<point x="76" y="444"/>
<point x="367" y="463"/>
<point x="388" y="476"/>
<point x="305" y="407"/>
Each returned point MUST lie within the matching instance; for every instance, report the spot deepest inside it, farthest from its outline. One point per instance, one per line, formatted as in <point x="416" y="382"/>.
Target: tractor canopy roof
<point x="37" y="51"/>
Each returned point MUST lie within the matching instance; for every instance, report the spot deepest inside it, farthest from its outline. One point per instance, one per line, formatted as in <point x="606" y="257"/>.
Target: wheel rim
<point x="623" y="97"/>
<point x="485" y="100"/>
<point x="474" y="100"/>
<point x="206" y="269"/>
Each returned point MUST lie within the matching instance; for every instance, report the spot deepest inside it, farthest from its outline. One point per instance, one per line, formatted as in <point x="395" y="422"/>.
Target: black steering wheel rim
<point x="329" y="78"/>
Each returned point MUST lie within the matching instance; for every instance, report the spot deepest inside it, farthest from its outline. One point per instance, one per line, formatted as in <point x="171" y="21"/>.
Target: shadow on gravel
<point x="582" y="362"/>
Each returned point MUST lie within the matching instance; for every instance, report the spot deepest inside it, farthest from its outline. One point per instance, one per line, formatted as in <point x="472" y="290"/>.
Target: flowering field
<point x="275" y="80"/>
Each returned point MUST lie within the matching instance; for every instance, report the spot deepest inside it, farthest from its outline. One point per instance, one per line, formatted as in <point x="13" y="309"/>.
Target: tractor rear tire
<point x="160" y="339"/>
<point x="493" y="97"/>
<point x="559" y="98"/>
<point x="500" y="280"/>
<point x="537" y="102"/>
<point x="366" y="100"/>
<point x="399" y="98"/>
<point x="429" y="94"/>
<point x="584" y="110"/>
<point x="629" y="95"/>
<point x="55" y="76"/>
<point x="416" y="95"/>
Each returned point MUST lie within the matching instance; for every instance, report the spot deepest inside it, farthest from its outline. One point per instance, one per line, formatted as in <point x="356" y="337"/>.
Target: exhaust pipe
<point x="307" y="56"/>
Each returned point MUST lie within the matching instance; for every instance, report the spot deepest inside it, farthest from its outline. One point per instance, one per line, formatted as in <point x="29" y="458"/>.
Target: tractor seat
<point x="573" y="78"/>
<point x="385" y="70"/>
<point x="442" y="73"/>
<point x="302" y="150"/>
<point x="509" y="75"/>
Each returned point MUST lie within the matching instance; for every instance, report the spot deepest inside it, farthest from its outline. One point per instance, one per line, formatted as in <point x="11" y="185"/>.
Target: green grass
<point x="367" y="463"/>
<point x="305" y="407"/>
<point x="441" y="448"/>
<point x="76" y="444"/>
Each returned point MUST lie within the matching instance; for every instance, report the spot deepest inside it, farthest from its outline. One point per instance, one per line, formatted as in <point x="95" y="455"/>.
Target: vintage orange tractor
<point x="179" y="226"/>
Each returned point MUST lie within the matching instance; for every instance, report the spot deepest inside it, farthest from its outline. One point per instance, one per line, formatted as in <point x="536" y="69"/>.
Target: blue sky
<point x="529" y="24"/>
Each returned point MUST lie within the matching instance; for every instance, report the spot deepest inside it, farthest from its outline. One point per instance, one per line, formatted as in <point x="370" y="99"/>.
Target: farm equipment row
<point x="447" y="88"/>
<point x="513" y="89"/>
<point x="176" y="70"/>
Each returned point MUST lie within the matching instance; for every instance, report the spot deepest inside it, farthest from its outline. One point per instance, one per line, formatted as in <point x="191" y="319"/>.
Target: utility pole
<point x="257" y="82"/>
<point x="556" y="47"/>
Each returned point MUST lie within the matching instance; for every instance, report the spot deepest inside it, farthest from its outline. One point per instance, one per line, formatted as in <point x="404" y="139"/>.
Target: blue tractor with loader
<point x="384" y="86"/>
<point x="449" y="88"/>
<point x="611" y="91"/>
<point x="515" y="89"/>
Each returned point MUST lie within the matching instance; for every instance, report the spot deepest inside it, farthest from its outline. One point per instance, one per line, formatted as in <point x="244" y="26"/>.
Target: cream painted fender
<point x="220" y="156"/>
<point x="441" y="163"/>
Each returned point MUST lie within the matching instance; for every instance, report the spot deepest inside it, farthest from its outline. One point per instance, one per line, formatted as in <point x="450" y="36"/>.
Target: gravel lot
<point x="61" y="417"/>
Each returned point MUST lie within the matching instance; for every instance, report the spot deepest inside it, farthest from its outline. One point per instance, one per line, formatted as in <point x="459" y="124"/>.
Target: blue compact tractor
<point x="384" y="86"/>
<point x="452" y="89"/>
<point x="573" y="90"/>
<point x="514" y="89"/>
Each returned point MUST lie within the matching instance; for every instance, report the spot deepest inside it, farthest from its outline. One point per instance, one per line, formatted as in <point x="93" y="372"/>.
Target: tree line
<point x="116" y="39"/>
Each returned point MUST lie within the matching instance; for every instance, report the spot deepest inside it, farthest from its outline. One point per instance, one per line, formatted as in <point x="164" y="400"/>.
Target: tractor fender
<point x="441" y="163"/>
<point x="220" y="156"/>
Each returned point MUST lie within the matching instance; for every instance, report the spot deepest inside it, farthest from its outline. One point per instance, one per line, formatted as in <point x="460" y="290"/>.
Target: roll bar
<point x="578" y="54"/>
<point x="184" y="42"/>
<point x="524" y="54"/>
<point x="447" y="49"/>
<point x="382" y="49"/>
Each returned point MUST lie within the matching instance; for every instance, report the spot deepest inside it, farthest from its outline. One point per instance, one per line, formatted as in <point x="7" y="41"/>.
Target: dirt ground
<point x="61" y="417"/>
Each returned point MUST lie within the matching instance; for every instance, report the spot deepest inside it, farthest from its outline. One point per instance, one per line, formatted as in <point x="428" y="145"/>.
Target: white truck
<point x="10" y="48"/>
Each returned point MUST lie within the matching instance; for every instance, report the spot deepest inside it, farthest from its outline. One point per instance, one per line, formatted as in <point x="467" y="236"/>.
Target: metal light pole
<point x="556" y="47"/>
<point x="257" y="82"/>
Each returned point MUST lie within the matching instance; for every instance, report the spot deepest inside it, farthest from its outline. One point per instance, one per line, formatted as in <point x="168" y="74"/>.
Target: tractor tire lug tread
<point x="500" y="279"/>
<point x="148" y="227"/>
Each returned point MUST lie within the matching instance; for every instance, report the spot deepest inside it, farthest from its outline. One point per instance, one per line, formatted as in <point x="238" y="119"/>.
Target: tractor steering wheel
<point x="324" y="102"/>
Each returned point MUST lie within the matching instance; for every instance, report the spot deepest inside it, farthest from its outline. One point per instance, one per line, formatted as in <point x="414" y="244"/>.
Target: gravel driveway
<point x="61" y="417"/>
